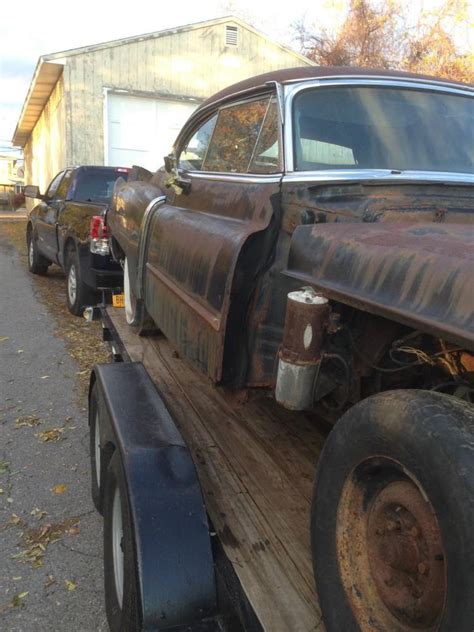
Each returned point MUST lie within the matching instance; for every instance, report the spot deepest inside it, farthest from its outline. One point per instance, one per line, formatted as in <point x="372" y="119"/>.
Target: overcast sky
<point x="30" y="28"/>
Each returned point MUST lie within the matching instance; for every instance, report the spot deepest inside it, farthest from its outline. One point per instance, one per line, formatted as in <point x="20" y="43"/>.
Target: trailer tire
<point x="99" y="454"/>
<point x="392" y="516"/>
<point x="122" y="596"/>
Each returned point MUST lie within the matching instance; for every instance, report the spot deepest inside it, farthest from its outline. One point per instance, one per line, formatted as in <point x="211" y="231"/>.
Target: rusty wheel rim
<point x="390" y="551"/>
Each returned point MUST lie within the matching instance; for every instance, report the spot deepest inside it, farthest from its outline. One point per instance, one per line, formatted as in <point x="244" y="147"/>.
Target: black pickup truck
<point x="68" y="227"/>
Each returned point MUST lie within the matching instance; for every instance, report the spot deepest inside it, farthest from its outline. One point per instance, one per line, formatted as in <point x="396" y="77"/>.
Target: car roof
<point x="306" y="73"/>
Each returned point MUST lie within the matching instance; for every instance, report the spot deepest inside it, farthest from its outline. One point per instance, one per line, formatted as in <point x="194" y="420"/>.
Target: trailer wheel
<point x="392" y="516"/>
<point x="120" y="568"/>
<point x="99" y="454"/>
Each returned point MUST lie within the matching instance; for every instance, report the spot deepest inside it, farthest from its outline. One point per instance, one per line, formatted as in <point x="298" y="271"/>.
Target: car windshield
<point x="95" y="185"/>
<point x="349" y="127"/>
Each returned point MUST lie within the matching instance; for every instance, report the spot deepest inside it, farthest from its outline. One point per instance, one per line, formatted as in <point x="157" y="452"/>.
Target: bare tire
<point x="78" y="294"/>
<point x="130" y="298"/>
<point x="136" y="314"/>
<point x="392" y="516"/>
<point x="120" y="568"/>
<point x="37" y="264"/>
<point x="100" y="454"/>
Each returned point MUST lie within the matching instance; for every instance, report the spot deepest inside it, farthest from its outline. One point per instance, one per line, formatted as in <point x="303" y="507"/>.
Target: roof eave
<point x="45" y="77"/>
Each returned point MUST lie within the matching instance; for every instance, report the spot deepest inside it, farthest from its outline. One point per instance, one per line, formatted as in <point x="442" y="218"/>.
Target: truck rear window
<point x="95" y="185"/>
<point x="363" y="127"/>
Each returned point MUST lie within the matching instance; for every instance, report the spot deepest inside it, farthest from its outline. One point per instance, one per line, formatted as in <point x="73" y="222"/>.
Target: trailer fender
<point x="173" y="548"/>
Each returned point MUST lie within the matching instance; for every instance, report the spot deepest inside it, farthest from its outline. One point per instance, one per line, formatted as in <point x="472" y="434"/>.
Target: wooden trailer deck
<point x="256" y="463"/>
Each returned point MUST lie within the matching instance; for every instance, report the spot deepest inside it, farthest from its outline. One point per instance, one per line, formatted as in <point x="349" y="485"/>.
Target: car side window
<point x="235" y="135"/>
<point x="194" y="152"/>
<point x="53" y="187"/>
<point x="63" y="188"/>
<point x="267" y="153"/>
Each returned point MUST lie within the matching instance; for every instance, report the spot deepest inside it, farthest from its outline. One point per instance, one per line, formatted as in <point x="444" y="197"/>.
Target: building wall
<point x="45" y="152"/>
<point x="191" y="64"/>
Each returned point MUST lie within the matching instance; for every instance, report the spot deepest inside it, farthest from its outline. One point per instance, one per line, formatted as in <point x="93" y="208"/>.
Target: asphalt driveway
<point x="50" y="535"/>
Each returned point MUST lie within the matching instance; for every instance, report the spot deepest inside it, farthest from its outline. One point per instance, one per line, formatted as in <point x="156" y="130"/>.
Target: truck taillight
<point x="99" y="236"/>
<point x="98" y="228"/>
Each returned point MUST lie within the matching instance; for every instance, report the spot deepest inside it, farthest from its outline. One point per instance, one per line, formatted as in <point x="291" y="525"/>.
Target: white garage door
<point x="141" y="130"/>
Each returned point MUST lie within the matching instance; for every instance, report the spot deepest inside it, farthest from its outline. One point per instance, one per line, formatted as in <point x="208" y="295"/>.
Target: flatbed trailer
<point x="255" y="463"/>
<point x="209" y="497"/>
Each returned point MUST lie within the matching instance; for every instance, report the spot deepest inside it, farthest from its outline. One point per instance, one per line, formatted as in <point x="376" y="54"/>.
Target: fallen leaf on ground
<point x="16" y="519"/>
<point x="4" y="467"/>
<point x="27" y="420"/>
<point x="36" y="541"/>
<point x="70" y="584"/>
<point x="50" y="581"/>
<point x="38" y="514"/>
<point x="44" y="377"/>
<point x="59" y="489"/>
<point x="16" y="601"/>
<point x="3" y="338"/>
<point x="50" y="436"/>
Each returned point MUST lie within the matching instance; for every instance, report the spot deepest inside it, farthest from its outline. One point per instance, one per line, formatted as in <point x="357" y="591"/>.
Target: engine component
<point x="306" y="319"/>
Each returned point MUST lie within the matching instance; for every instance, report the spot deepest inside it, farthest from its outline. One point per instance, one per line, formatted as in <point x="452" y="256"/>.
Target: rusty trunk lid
<point x="420" y="274"/>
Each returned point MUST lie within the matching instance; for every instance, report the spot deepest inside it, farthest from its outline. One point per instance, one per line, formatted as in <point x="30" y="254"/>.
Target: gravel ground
<point x="50" y="536"/>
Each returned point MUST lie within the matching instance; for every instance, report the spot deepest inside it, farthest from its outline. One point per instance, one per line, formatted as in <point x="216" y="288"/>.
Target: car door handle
<point x="184" y="184"/>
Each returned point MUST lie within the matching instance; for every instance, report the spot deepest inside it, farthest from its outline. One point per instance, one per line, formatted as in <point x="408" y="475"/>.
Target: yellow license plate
<point x="118" y="300"/>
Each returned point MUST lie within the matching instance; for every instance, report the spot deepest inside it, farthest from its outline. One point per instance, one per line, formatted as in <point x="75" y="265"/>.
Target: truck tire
<point x="120" y="568"/>
<point x="99" y="454"/>
<point x="78" y="294"/>
<point x="37" y="264"/>
<point x="392" y="516"/>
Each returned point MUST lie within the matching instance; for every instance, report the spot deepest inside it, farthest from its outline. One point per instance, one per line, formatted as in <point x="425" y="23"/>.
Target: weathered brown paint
<point x="193" y="258"/>
<point x="421" y="275"/>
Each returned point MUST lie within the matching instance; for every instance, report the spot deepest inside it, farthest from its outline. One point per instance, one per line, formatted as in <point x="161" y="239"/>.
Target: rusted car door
<point x="208" y="244"/>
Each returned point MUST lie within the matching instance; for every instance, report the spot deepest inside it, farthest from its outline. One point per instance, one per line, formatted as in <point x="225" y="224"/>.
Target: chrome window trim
<point x="291" y="90"/>
<point x="358" y="78"/>
<point x="145" y="223"/>
<point x="377" y="175"/>
<point x="244" y="178"/>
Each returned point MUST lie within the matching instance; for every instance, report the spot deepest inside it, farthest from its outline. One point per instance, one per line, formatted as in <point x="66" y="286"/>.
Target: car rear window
<point x="95" y="185"/>
<point x="402" y="129"/>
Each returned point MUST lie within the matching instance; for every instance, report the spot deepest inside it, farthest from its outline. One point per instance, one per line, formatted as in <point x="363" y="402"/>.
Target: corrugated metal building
<point x="123" y="102"/>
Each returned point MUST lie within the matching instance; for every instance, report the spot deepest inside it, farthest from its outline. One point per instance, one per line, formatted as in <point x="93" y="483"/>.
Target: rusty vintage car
<point x="312" y="234"/>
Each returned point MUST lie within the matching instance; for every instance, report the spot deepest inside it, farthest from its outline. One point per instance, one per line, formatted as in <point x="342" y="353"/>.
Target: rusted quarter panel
<point x="421" y="275"/>
<point x="195" y="267"/>
<point x="349" y="202"/>
<point x="124" y="219"/>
